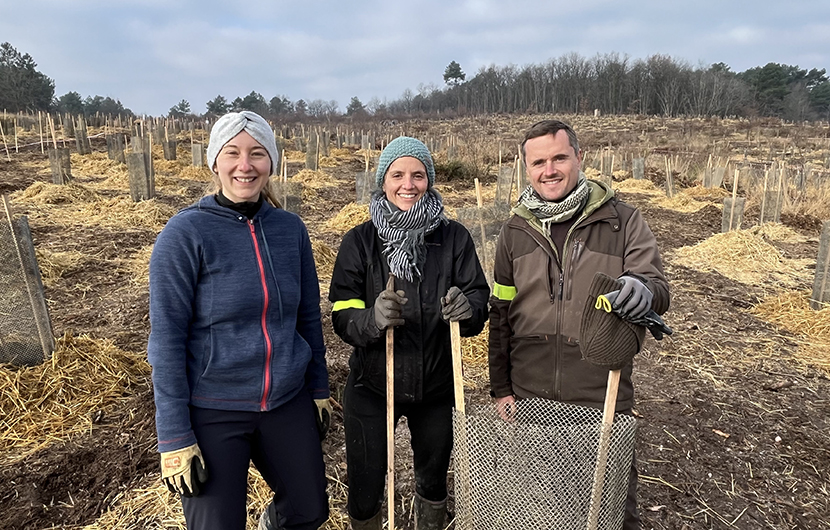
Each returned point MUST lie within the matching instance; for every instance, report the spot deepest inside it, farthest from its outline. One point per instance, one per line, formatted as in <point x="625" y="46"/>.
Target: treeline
<point x="615" y="84"/>
<point x="610" y="83"/>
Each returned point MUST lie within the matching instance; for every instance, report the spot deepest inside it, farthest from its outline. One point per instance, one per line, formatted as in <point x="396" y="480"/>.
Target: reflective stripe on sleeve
<point x="354" y="303"/>
<point x="504" y="292"/>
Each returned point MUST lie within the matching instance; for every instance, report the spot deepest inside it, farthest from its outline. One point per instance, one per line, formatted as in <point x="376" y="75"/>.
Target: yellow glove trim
<point x="603" y="303"/>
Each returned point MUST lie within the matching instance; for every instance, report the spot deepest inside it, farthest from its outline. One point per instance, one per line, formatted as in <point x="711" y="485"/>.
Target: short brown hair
<point x="546" y="127"/>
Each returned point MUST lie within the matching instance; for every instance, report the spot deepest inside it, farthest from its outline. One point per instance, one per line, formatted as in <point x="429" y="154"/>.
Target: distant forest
<point x="610" y="83"/>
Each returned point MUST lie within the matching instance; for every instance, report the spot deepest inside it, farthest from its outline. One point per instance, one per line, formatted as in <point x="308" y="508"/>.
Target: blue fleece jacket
<point x="234" y="315"/>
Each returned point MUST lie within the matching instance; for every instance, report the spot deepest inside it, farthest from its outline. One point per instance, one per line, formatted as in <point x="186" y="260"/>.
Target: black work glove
<point x="634" y="299"/>
<point x="183" y="470"/>
<point x="455" y="306"/>
<point x="388" y="308"/>
<point x="322" y="412"/>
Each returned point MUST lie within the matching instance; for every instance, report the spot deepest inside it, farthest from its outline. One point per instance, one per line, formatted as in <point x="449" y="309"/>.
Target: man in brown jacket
<point x="565" y="228"/>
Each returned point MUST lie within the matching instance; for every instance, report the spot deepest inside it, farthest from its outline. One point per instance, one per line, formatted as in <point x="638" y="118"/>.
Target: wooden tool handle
<point x="604" y="443"/>
<point x="390" y="415"/>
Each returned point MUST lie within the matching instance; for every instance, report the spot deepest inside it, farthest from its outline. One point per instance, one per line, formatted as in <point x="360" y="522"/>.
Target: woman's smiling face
<point x="405" y="182"/>
<point x="243" y="167"/>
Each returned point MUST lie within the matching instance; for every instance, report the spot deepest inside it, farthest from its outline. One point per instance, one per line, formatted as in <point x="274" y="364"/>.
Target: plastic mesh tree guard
<point x="537" y="472"/>
<point x="25" y="329"/>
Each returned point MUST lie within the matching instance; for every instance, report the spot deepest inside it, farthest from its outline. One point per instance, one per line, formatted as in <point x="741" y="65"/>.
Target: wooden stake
<point x="40" y="129"/>
<point x="15" y="135"/>
<point x="390" y="415"/>
<point x="734" y="196"/>
<point x="52" y="130"/>
<point x="764" y="196"/>
<point x="4" y="141"/>
<point x="481" y="226"/>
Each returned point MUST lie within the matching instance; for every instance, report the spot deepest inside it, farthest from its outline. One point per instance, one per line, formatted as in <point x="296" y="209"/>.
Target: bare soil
<point x="721" y="442"/>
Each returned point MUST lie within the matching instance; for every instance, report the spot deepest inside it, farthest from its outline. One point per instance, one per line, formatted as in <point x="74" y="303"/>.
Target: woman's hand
<point x="455" y="306"/>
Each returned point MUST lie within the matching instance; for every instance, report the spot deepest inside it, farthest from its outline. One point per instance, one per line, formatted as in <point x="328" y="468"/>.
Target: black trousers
<point x="284" y="446"/>
<point x="430" y="427"/>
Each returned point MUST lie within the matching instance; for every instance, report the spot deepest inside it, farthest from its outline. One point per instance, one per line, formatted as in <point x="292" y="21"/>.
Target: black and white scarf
<point x="556" y="211"/>
<point x="403" y="232"/>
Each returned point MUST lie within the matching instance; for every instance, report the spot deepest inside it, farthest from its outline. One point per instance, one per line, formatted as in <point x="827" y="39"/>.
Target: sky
<point x="151" y="54"/>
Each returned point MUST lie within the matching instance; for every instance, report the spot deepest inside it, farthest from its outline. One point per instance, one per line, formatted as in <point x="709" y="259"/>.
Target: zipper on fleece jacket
<point x="267" y="383"/>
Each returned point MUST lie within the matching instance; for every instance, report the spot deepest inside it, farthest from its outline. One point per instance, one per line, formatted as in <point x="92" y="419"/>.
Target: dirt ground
<point x="732" y="431"/>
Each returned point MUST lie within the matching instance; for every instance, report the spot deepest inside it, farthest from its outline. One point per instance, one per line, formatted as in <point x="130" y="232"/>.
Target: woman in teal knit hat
<point x="438" y="279"/>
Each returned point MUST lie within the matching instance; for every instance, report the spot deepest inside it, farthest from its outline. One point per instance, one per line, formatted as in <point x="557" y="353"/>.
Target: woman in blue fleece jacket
<point x="236" y="344"/>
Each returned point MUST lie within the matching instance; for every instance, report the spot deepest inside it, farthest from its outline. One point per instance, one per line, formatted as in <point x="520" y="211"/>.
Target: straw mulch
<point x="328" y="161"/>
<point x="314" y="179"/>
<point x="46" y="193"/>
<point x="791" y="311"/>
<point x="153" y="506"/>
<point x="699" y="192"/>
<point x="340" y="152"/>
<point x="324" y="257"/>
<point x="75" y="205"/>
<point x="348" y="217"/>
<point x="643" y="186"/>
<point x="199" y="174"/>
<point x="475" y="359"/>
<point x="679" y="203"/>
<point x="138" y="266"/>
<point x="56" y="400"/>
<point x="745" y="256"/>
<point x="53" y="265"/>
<point x="97" y="164"/>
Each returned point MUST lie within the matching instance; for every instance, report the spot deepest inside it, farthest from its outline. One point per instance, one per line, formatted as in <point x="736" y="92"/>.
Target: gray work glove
<point x="634" y="299"/>
<point x="455" y="306"/>
<point x="183" y="470"/>
<point x="388" y="308"/>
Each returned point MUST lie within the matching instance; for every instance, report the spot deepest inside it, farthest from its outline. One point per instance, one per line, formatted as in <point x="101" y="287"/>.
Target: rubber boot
<point x="269" y="515"/>
<point x="430" y="515"/>
<point x="375" y="523"/>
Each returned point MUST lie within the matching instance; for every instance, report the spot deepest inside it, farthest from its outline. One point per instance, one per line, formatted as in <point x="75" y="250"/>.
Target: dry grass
<point x="745" y="256"/>
<point x="348" y="217"/>
<point x="791" y="311"/>
<point x="699" y="192"/>
<point x="51" y="402"/>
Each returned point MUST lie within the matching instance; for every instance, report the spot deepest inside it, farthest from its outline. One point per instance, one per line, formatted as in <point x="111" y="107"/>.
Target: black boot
<point x="430" y="515"/>
<point x="375" y="523"/>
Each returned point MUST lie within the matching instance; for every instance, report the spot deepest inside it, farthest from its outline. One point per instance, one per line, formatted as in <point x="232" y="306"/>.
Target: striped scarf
<point x="556" y="212"/>
<point x="403" y="232"/>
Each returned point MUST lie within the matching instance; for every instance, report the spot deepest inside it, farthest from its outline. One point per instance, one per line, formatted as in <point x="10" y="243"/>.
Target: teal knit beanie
<point x="400" y="147"/>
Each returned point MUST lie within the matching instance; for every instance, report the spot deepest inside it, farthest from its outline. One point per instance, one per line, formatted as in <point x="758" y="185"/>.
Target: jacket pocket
<point x="533" y="365"/>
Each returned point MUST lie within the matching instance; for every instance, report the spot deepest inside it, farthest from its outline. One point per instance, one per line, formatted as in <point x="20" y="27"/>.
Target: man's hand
<point x="634" y="300"/>
<point x="388" y="308"/>
<point x="455" y="306"/>
<point x="184" y="470"/>
<point x="322" y="409"/>
<point x="506" y="407"/>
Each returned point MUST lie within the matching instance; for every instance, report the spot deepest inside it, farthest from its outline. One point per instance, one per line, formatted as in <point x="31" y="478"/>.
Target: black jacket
<point x="423" y="355"/>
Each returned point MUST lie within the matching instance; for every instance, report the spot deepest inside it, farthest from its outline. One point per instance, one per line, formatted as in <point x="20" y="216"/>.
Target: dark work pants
<point x="430" y="427"/>
<point x="632" y="516"/>
<point x="284" y="446"/>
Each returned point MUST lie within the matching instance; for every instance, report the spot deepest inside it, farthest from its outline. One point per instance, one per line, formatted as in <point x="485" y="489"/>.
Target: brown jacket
<point x="538" y="297"/>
